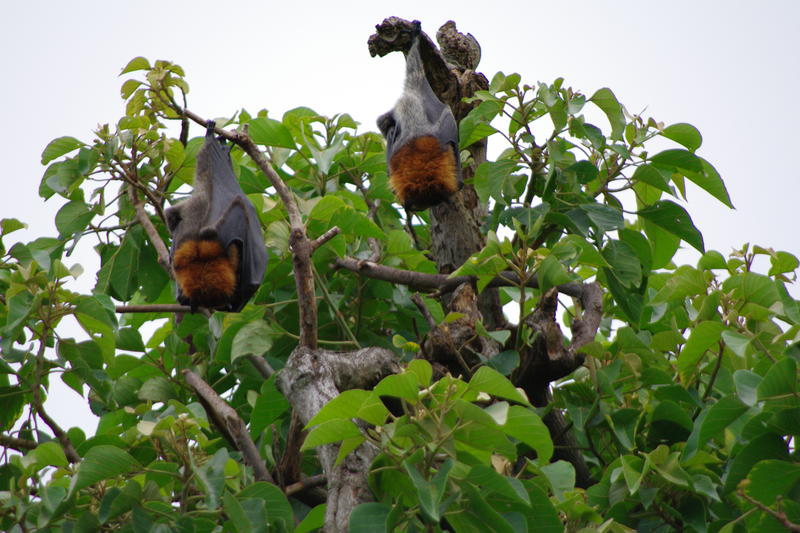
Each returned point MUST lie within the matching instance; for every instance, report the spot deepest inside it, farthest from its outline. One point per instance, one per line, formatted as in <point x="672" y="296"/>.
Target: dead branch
<point x="442" y="282"/>
<point x="153" y="308"/>
<point x="21" y="445"/>
<point x="230" y="424"/>
<point x="150" y="229"/>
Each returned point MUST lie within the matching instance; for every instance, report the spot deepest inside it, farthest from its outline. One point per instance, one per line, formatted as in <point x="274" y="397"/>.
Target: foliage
<point x="686" y="410"/>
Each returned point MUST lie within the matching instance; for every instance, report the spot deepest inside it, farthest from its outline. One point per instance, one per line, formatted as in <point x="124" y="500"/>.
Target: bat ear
<point x="386" y="122"/>
<point x="173" y="215"/>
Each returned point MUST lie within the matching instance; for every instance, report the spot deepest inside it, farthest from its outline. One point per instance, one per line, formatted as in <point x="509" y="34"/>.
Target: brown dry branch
<point x="229" y="423"/>
<point x="150" y="229"/>
<point x="442" y="282"/>
<point x="153" y="308"/>
<point x="60" y="434"/>
<point x="21" y="445"/>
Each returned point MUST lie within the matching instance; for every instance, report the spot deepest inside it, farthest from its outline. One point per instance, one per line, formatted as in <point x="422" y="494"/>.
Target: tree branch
<point x="21" y="445"/>
<point x="442" y="282"/>
<point x="60" y="434"/>
<point x="150" y="229"/>
<point x="230" y="424"/>
<point x="154" y="308"/>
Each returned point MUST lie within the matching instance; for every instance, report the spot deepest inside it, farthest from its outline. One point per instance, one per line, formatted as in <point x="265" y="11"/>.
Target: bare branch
<point x="261" y="365"/>
<point x="417" y="299"/>
<point x="154" y="308"/>
<point x="21" y="445"/>
<point x="60" y="434"/>
<point x="307" y="483"/>
<point x="152" y="233"/>
<point x="230" y="424"/>
<point x="325" y="237"/>
<point x="441" y="282"/>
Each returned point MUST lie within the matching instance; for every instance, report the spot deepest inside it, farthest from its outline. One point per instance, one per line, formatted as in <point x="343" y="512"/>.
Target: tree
<point x="405" y="398"/>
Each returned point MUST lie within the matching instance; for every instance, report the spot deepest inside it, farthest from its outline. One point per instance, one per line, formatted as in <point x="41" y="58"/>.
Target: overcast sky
<point x="729" y="68"/>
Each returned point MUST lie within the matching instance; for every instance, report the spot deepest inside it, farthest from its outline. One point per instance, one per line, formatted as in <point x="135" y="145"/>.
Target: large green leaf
<point x="58" y="147"/>
<point x="270" y="132"/>
<point x="673" y="218"/>
<point x="684" y="134"/>
<point x="604" y="99"/>
<point x="102" y="462"/>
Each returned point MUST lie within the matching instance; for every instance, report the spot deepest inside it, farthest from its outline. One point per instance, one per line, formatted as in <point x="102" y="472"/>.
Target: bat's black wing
<point x="235" y="220"/>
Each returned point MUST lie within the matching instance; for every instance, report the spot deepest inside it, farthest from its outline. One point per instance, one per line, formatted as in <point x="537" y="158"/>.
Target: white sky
<point x="729" y="68"/>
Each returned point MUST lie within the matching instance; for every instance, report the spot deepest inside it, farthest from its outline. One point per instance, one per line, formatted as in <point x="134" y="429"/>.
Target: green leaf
<point x="50" y="454"/>
<point x="102" y="462"/>
<point x="369" y="518"/>
<point x="551" y="273"/>
<point x="770" y="479"/>
<point x="255" y="338"/>
<point x="712" y="260"/>
<point x="58" y="147"/>
<point x="653" y="176"/>
<point x="157" y="389"/>
<point x="561" y="476"/>
<point x="315" y="519"/>
<point x="604" y="217"/>
<point x="9" y="225"/>
<point x="137" y="63"/>
<point x="684" y="134"/>
<point x="492" y="382"/>
<point x="124" y="267"/>
<point x="429" y="493"/>
<point x="763" y="447"/>
<point x="280" y="516"/>
<point x="526" y="426"/>
<point x="489" y="480"/>
<point x="211" y="477"/>
<point x="608" y="103"/>
<point x="673" y="218"/>
<point x="703" y="337"/>
<point x="713" y="421"/>
<point x="782" y="262"/>
<point x="403" y="385"/>
<point x="779" y="385"/>
<point x="73" y="218"/>
<point x="330" y="432"/>
<point x="270" y="132"/>
<point x="625" y="264"/>
<point x="677" y="160"/>
<point x="710" y="181"/>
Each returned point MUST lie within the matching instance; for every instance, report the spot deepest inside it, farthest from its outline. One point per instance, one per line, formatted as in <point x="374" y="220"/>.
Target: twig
<point x="152" y="233"/>
<point x="325" y="237"/>
<point x="21" y="445"/>
<point x="154" y="308"/>
<point x="778" y="515"/>
<point x="442" y="282"/>
<point x="417" y="299"/>
<point x="228" y="421"/>
<point x="307" y="483"/>
<point x="60" y="434"/>
<point x="261" y="365"/>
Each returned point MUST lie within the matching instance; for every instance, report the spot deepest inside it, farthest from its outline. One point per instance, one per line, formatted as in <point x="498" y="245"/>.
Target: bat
<point x="421" y="140"/>
<point x="218" y="254"/>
